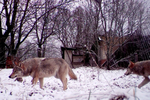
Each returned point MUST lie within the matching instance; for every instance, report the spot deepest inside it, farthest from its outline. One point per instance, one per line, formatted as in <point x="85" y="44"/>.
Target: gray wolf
<point x="140" y="68"/>
<point x="39" y="68"/>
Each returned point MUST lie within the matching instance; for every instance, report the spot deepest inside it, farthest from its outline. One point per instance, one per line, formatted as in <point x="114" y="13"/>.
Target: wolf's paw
<point x="19" y="79"/>
<point x="139" y="86"/>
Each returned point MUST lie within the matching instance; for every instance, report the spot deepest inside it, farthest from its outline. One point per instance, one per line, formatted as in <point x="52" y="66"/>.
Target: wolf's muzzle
<point x="10" y="77"/>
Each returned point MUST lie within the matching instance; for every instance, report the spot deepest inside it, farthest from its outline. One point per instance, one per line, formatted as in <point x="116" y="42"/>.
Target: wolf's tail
<point x="71" y="74"/>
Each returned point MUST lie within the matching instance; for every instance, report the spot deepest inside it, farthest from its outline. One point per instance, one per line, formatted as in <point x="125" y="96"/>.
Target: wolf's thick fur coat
<point x="140" y="68"/>
<point x="39" y="68"/>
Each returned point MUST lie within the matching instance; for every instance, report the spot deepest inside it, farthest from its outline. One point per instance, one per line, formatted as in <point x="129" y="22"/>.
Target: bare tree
<point x="77" y="28"/>
<point x="44" y="28"/>
<point x="8" y="15"/>
<point x="64" y="27"/>
<point x="41" y="27"/>
<point x="19" y="22"/>
<point x="119" y="18"/>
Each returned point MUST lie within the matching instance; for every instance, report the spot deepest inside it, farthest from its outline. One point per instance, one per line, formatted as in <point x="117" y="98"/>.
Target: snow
<point x="92" y="84"/>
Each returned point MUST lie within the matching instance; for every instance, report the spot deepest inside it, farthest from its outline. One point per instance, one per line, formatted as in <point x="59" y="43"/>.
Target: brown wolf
<point x="140" y="68"/>
<point x="39" y="68"/>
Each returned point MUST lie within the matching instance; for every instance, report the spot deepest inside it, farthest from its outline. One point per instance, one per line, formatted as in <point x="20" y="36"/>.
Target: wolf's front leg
<point x="34" y="80"/>
<point x="41" y="83"/>
<point x="145" y="81"/>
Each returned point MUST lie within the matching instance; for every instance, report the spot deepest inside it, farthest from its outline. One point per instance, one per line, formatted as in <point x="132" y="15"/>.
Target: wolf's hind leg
<point x="145" y="81"/>
<point x="41" y="83"/>
<point x="64" y="81"/>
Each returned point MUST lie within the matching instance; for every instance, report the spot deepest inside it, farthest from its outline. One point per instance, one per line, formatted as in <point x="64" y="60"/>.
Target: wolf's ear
<point x="15" y="61"/>
<point x="131" y="65"/>
<point x="22" y="66"/>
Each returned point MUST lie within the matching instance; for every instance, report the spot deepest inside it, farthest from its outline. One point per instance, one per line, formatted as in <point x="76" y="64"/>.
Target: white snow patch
<point x="92" y="83"/>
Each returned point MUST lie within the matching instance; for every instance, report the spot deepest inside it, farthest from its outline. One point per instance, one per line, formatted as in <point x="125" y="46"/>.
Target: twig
<point x="119" y="77"/>
<point x="89" y="95"/>
<point x="134" y="90"/>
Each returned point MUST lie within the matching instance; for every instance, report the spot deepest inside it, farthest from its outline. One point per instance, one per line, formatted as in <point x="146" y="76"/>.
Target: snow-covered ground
<point x="92" y="84"/>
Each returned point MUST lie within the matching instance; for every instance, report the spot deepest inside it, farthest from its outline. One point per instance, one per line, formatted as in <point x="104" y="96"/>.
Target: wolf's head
<point x="17" y="71"/>
<point x="129" y="69"/>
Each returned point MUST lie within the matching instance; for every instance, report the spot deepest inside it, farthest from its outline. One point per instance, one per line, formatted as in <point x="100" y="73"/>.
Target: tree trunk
<point x="2" y="53"/>
<point x="39" y="52"/>
<point x="108" y="63"/>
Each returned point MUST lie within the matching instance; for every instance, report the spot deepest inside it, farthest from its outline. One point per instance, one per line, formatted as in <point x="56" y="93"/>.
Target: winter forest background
<point x="38" y="28"/>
